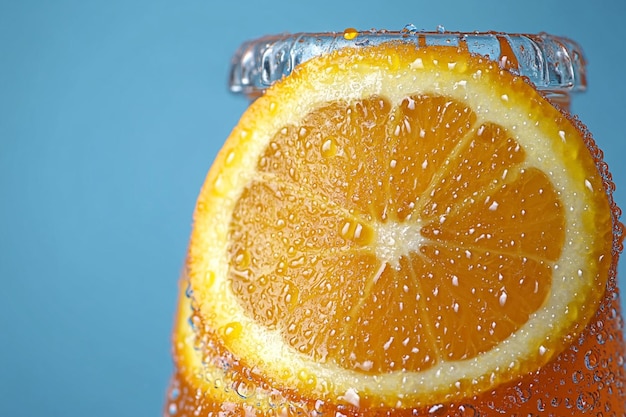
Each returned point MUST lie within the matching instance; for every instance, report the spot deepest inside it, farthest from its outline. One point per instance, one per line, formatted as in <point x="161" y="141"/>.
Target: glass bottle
<point x="587" y="378"/>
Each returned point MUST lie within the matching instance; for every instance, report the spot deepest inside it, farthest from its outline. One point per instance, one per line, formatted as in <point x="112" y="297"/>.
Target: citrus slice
<point x="399" y="226"/>
<point x="225" y="386"/>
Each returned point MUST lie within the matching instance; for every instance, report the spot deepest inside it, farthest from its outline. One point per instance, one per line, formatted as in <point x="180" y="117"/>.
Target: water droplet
<point x="352" y="397"/>
<point x="437" y="410"/>
<point x="244" y="389"/>
<point x="242" y="259"/>
<point x="540" y="405"/>
<point x="591" y="359"/>
<point x="577" y="376"/>
<point x="409" y="29"/>
<point x="174" y="394"/>
<point x="232" y="330"/>
<point x="586" y="401"/>
<point x="502" y="298"/>
<point x="307" y="379"/>
<point x="357" y="232"/>
<point x="388" y="343"/>
<point x="209" y="279"/>
<point x="467" y="410"/>
<point x="230" y="158"/>
<point x="350" y="34"/>
<point x="188" y="291"/>
<point x="292" y="295"/>
<point x="220" y="185"/>
<point x="441" y="29"/>
<point x="455" y="280"/>
<point x="329" y="148"/>
<point x="172" y="409"/>
<point x="296" y="262"/>
<point x="523" y="394"/>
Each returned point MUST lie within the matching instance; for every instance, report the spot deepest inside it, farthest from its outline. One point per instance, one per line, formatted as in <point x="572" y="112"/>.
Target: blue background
<point x="111" y="113"/>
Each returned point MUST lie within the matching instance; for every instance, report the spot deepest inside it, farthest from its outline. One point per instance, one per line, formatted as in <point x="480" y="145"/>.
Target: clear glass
<point x="555" y="65"/>
<point x="587" y="378"/>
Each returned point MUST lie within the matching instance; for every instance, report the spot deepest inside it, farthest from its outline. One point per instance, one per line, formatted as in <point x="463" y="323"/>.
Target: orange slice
<point x="398" y="226"/>
<point x="225" y="385"/>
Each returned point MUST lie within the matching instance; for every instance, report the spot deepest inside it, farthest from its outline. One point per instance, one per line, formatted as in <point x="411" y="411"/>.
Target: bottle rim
<point x="553" y="64"/>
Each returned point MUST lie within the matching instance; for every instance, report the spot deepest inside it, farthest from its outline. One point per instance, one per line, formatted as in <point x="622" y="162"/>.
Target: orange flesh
<point x="450" y="193"/>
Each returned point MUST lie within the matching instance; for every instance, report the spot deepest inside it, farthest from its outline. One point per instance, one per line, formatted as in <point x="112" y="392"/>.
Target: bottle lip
<point x="554" y="64"/>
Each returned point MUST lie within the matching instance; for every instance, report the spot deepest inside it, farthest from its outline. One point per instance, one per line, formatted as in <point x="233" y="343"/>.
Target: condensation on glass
<point x="555" y="65"/>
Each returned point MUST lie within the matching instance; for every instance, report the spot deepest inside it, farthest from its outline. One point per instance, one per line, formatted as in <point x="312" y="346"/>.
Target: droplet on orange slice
<point x="399" y="226"/>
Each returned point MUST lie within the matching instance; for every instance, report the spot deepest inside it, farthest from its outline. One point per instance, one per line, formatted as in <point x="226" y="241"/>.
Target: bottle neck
<point x="554" y="65"/>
